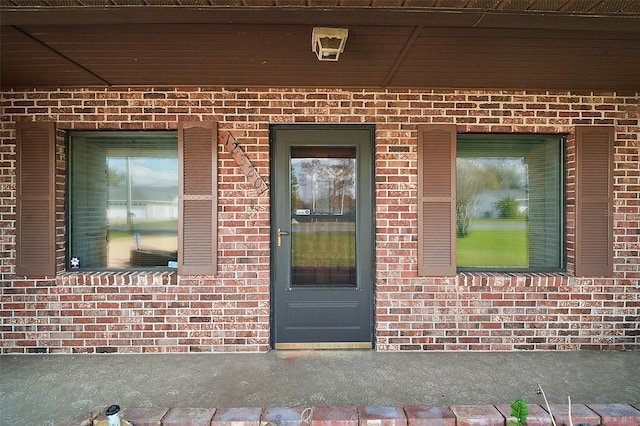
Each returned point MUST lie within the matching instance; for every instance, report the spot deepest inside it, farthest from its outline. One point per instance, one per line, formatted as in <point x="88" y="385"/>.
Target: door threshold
<point x="324" y="345"/>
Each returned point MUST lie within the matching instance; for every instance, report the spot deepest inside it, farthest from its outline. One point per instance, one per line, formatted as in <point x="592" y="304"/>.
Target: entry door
<point x="322" y="236"/>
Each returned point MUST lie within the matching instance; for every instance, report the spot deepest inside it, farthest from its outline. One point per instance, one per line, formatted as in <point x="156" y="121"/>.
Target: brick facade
<point x="163" y="312"/>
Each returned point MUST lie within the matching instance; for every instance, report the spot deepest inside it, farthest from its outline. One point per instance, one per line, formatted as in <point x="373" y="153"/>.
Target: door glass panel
<point x="323" y="228"/>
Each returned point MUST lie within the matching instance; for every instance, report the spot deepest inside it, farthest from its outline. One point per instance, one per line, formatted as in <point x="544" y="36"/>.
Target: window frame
<point x="106" y="134"/>
<point x="561" y="139"/>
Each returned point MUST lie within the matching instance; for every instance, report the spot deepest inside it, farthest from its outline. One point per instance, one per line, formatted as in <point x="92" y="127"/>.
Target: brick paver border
<point x="455" y="415"/>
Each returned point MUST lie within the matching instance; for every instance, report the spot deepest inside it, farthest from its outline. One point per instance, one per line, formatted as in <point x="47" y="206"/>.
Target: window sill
<point x="515" y="279"/>
<point x="164" y="277"/>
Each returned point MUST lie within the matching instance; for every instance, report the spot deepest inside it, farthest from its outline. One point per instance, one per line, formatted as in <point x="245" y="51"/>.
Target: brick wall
<point x="145" y="312"/>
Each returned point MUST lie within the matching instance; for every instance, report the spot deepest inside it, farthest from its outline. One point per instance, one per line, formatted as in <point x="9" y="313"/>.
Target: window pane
<point x="123" y="194"/>
<point x="323" y="228"/>
<point x="509" y="202"/>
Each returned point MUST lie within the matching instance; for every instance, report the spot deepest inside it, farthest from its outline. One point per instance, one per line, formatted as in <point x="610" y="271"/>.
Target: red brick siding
<point x="144" y="312"/>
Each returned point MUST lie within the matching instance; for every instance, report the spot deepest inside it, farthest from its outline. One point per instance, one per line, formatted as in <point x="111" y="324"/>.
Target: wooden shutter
<point x="436" y="200"/>
<point x="197" y="228"/>
<point x="594" y="201"/>
<point x="35" y="199"/>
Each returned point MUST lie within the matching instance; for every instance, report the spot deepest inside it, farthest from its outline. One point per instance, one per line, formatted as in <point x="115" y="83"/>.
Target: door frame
<point x="365" y="215"/>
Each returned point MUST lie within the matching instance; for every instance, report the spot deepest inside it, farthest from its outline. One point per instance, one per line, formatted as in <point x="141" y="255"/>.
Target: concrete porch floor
<point x="48" y="389"/>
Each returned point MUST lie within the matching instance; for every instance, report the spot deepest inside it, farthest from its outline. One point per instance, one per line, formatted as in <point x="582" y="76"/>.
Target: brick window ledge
<point x="514" y="279"/>
<point x="139" y="278"/>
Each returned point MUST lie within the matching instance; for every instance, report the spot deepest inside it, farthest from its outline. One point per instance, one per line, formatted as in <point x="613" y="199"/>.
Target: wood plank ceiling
<point x="504" y="44"/>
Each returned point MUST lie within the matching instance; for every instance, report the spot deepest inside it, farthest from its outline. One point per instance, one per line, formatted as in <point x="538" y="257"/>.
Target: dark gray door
<point x="322" y="236"/>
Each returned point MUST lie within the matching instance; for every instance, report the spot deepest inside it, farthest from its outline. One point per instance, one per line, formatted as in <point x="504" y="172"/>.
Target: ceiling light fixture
<point x="328" y="43"/>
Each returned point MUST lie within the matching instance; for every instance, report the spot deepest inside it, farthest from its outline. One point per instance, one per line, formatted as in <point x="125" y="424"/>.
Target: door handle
<point x="280" y="234"/>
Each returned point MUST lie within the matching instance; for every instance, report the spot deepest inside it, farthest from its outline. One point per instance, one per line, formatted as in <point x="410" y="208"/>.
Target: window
<point x="509" y="202"/>
<point x="533" y="202"/>
<point x="123" y="200"/>
<point x="87" y="244"/>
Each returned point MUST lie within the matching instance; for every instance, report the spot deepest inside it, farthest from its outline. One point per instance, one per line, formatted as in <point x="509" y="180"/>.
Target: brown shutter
<point x="35" y="198"/>
<point x="594" y="201"/>
<point x="436" y="200"/>
<point x="197" y="229"/>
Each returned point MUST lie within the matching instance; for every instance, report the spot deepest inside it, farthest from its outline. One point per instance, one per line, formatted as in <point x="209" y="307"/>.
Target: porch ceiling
<point x="507" y="44"/>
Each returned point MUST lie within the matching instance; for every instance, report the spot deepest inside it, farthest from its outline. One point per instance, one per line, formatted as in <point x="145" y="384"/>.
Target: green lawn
<point x="324" y="248"/>
<point x="504" y="248"/>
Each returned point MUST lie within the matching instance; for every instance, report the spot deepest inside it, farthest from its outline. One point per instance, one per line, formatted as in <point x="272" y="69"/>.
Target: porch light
<point x="328" y="43"/>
